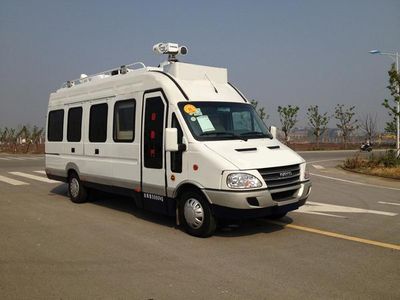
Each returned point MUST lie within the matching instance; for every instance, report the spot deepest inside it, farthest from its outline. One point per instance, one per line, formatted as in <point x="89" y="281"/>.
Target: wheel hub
<point x="74" y="187"/>
<point x="194" y="213"/>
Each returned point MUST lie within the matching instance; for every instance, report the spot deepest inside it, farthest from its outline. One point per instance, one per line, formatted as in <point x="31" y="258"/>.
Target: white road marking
<point x="12" y="181"/>
<point x="324" y="160"/>
<point x="318" y="167"/>
<point x="390" y="203"/>
<point x="40" y="172"/>
<point x="21" y="158"/>
<point x="356" y="182"/>
<point x="34" y="177"/>
<point x="318" y="208"/>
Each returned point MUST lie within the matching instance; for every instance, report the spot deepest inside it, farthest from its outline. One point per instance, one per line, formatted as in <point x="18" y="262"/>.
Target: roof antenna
<point x="215" y="89"/>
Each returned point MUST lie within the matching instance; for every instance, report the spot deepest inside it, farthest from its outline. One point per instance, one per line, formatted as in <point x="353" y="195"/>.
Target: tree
<point x="346" y="124"/>
<point x="288" y="118"/>
<point x="368" y="125"/>
<point x="36" y="135"/>
<point x="260" y="110"/>
<point x="12" y="139"/>
<point x="24" y="136"/>
<point x="394" y="88"/>
<point x="317" y="121"/>
<point x="391" y="126"/>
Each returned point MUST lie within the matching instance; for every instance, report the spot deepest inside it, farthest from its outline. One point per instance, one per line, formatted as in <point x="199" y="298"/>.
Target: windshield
<point x="223" y="121"/>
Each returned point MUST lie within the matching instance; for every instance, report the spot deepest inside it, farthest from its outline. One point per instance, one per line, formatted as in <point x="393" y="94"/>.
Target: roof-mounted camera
<point x="172" y="49"/>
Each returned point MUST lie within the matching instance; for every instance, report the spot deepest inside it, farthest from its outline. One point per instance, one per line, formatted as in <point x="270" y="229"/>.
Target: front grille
<point x="281" y="177"/>
<point x="283" y="195"/>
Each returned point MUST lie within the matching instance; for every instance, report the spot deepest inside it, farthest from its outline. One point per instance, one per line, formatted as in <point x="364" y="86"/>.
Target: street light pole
<point x="395" y="57"/>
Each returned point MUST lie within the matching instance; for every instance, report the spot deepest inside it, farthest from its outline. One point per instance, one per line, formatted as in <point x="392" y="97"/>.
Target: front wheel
<point x="77" y="192"/>
<point x="195" y="215"/>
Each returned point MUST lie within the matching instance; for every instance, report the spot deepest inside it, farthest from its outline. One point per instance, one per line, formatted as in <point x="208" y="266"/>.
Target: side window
<point x="74" y="127"/>
<point x="98" y="123"/>
<point x="153" y="133"/>
<point x="176" y="156"/>
<point x="124" y="121"/>
<point x="55" y="126"/>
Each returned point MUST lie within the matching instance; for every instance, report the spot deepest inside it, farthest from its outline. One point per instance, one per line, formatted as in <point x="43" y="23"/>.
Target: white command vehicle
<point x="178" y="138"/>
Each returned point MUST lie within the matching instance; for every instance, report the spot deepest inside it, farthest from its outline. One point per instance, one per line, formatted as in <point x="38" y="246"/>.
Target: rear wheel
<point x="77" y="192"/>
<point x="195" y="215"/>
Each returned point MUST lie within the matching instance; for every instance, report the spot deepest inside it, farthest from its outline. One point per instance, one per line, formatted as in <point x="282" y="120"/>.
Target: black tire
<point x="77" y="192"/>
<point x="200" y="226"/>
<point x="277" y="216"/>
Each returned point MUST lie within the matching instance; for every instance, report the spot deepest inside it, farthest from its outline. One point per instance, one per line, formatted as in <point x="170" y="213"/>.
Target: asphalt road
<point x="343" y="244"/>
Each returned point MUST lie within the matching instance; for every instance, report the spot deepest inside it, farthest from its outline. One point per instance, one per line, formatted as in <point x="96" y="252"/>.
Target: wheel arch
<point x="72" y="167"/>
<point x="189" y="186"/>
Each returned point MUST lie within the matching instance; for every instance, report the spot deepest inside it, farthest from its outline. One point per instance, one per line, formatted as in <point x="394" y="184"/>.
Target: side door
<point x="98" y="147"/>
<point x="126" y="138"/>
<point x="74" y="144"/>
<point x="153" y="152"/>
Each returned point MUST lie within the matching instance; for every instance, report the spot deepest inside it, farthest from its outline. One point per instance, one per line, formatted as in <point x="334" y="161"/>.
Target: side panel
<point x="73" y="145"/>
<point x="97" y="164"/>
<point x="126" y="153"/>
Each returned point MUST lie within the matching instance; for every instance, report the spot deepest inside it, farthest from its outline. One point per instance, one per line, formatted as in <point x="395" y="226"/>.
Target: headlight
<point x="242" y="181"/>
<point x="304" y="174"/>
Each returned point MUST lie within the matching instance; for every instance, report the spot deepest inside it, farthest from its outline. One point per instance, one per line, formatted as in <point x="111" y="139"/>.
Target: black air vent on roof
<point x="274" y="147"/>
<point x="246" y="149"/>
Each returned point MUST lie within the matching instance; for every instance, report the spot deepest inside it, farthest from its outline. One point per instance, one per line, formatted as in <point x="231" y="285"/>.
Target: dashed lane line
<point x="21" y="158"/>
<point x="389" y="203"/>
<point x="356" y="182"/>
<point x="12" y="181"/>
<point x="40" y="172"/>
<point x="34" y="177"/>
<point x="324" y="160"/>
<point x="337" y="235"/>
<point x="318" y="167"/>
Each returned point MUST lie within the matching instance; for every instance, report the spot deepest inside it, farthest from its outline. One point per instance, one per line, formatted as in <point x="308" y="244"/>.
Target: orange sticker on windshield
<point x="189" y="109"/>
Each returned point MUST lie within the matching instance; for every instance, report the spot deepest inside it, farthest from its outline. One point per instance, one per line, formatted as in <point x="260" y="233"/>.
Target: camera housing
<point x="172" y="49"/>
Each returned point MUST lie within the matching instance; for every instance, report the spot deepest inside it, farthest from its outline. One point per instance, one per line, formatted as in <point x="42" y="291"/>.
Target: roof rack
<point x="124" y="69"/>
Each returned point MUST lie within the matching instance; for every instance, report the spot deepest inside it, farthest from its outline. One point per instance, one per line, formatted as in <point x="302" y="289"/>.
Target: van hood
<point x="255" y="153"/>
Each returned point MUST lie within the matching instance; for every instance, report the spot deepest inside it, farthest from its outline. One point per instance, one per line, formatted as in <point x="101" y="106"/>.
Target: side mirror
<point x="273" y="131"/>
<point x="171" y="139"/>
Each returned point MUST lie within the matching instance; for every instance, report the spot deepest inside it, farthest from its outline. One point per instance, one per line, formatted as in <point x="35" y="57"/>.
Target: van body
<point x="179" y="139"/>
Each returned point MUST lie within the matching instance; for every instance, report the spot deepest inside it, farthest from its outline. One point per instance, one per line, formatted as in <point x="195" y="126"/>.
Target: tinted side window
<point x="98" y="123"/>
<point x="153" y="133"/>
<point x="74" y="127"/>
<point x="55" y="126"/>
<point x="124" y="121"/>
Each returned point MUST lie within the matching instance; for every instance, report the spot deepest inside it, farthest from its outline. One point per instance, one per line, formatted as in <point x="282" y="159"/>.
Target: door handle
<point x="96" y="151"/>
<point x="73" y="150"/>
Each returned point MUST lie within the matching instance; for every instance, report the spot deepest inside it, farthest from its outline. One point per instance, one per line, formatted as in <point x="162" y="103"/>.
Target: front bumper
<point x="258" y="203"/>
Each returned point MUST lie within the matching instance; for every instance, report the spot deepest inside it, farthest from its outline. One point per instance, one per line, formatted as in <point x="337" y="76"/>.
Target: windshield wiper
<point x="257" y="133"/>
<point x="223" y="133"/>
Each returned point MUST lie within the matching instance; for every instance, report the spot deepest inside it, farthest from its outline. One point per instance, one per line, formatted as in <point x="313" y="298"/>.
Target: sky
<point x="278" y="52"/>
